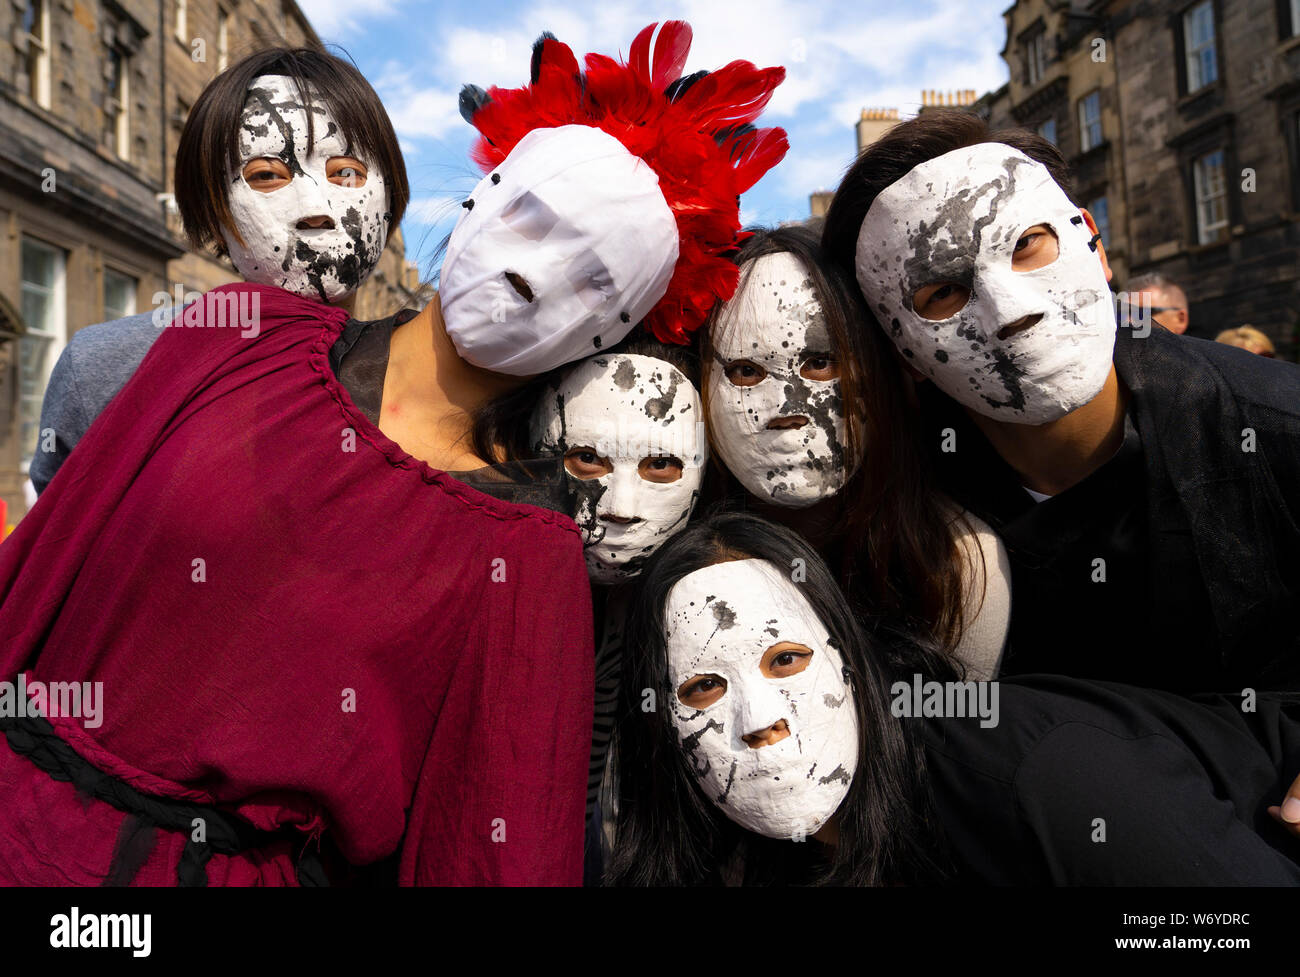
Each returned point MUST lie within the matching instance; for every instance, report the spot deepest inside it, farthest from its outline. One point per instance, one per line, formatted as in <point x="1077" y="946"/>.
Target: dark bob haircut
<point x="907" y="145"/>
<point x="669" y="833"/>
<point x="209" y="145"/>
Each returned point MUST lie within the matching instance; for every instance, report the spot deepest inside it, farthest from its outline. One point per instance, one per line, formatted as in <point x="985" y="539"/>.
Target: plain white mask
<point x="626" y="409"/>
<point x="720" y="621"/>
<point x="775" y="323"/>
<point x="957" y="218"/>
<point x="559" y="253"/>
<point x="326" y="263"/>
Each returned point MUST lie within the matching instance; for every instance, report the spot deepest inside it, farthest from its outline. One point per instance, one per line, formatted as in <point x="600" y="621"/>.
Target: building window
<point x="1089" y="121"/>
<point x="119" y="295"/>
<point x="1210" y="185"/>
<point x="182" y="27"/>
<point x="1100" y="211"/>
<point x="34" y="47"/>
<point x="1048" y="131"/>
<point x="1036" y="58"/>
<point x="43" y="312"/>
<point x="117" y="104"/>
<point x="1198" y="44"/>
<point x="223" y="39"/>
<point x="1293" y="28"/>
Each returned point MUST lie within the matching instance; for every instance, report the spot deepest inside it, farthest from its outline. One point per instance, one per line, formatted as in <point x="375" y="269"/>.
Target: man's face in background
<point x="1168" y="307"/>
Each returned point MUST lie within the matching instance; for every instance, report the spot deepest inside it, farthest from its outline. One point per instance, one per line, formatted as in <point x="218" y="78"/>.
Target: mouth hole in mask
<point x="518" y="283"/>
<point x="1036" y="247"/>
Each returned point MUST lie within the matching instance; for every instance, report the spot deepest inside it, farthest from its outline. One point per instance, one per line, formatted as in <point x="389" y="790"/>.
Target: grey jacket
<point x="93" y="367"/>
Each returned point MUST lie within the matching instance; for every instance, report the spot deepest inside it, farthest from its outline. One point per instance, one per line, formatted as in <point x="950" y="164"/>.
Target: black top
<point x="359" y="358"/>
<point x="1193" y="518"/>
<point x="1176" y="787"/>
<point x="1080" y="569"/>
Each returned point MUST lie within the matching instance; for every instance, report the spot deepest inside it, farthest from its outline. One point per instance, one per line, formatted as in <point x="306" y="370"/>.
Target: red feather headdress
<point x="695" y="132"/>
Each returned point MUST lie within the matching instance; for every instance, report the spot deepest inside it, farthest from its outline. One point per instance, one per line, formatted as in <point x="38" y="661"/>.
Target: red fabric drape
<point x="293" y="618"/>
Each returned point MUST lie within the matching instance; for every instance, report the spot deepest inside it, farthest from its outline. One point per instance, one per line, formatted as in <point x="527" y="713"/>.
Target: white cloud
<point x="335" y="20"/>
<point x="839" y="58"/>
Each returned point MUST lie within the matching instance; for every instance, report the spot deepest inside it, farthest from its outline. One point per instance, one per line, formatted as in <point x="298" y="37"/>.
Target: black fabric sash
<point x="227" y="834"/>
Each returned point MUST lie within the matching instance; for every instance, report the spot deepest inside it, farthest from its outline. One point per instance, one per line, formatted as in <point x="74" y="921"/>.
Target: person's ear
<point x="1101" y="250"/>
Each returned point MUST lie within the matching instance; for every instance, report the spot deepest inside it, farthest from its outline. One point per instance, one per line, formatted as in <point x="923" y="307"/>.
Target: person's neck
<point x="828" y="833"/>
<point x="431" y="394"/>
<point x="1052" y="457"/>
<point x="816" y="523"/>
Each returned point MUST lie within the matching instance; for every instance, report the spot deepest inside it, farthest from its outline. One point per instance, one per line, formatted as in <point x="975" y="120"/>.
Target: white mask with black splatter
<point x="759" y="699"/>
<point x="325" y="262"/>
<point x="775" y="408"/>
<point x="1028" y="346"/>
<point x="631" y="432"/>
<point x="559" y="253"/>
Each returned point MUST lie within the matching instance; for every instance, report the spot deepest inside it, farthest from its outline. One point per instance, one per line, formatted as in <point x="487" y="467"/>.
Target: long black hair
<point x="901" y="550"/>
<point x="669" y="833"/>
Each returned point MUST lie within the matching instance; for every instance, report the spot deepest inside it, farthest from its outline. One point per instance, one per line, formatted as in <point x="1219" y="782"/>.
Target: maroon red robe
<point x="457" y="627"/>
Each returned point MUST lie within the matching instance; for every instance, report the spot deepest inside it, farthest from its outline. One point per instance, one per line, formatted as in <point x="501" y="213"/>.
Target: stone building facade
<point x="1181" y="122"/>
<point x="1197" y="103"/>
<point x="1209" y="100"/>
<point x="1063" y="85"/>
<point x="93" y="96"/>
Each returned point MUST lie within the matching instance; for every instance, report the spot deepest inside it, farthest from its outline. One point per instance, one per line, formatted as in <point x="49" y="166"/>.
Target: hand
<point x="1288" y="815"/>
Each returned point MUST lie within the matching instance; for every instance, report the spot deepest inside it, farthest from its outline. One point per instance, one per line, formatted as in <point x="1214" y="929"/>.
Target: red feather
<point x="732" y="95"/>
<point x="559" y="55"/>
<point x="761" y="151"/>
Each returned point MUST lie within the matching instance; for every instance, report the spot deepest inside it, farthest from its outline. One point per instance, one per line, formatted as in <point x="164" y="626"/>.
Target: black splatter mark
<point x="839" y="773"/>
<point x="625" y="375"/>
<point x="658" y="407"/>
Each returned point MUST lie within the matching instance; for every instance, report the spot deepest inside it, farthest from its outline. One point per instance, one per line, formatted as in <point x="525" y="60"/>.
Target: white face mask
<point x="764" y="376"/>
<point x="642" y="417"/>
<point x="566" y="247"/>
<point x="326" y="263"/>
<point x="723" y="621"/>
<point x="957" y="218"/>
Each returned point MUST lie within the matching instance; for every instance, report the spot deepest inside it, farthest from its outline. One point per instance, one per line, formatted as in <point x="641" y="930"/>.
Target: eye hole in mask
<point x="1036" y="248"/>
<point x="519" y="285"/>
<point x="660" y="469"/>
<point x="744" y="373"/>
<point x="819" y="366"/>
<point x="529" y="217"/>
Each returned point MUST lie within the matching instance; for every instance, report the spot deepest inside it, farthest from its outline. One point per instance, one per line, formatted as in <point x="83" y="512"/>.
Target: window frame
<point x="133" y="287"/>
<point x="1199" y="198"/>
<point x="1085" y="124"/>
<point x="53" y="340"/>
<point x="1184" y="19"/>
<point x="1103" y="225"/>
<point x="223" y="38"/>
<point x="117" y="102"/>
<point x="38" y="81"/>
<point x="1036" y="59"/>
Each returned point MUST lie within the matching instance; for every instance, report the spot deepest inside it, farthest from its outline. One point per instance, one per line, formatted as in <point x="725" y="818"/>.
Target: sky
<point x="840" y="57"/>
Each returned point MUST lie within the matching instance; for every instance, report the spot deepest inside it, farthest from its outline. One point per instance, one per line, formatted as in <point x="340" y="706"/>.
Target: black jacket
<point x="1220" y="445"/>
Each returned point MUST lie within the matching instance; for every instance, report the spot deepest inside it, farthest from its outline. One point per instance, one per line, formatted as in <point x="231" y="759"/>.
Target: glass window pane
<point x="119" y="294"/>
